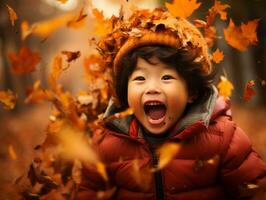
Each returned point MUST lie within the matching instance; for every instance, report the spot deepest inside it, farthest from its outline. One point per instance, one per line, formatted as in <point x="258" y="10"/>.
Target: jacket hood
<point x="195" y="116"/>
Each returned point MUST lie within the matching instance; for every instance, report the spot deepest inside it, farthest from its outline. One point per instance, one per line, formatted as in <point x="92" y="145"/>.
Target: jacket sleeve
<point x="243" y="173"/>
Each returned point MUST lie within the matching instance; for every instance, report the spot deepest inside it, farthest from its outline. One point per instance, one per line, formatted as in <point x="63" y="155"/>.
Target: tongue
<point x="156" y="112"/>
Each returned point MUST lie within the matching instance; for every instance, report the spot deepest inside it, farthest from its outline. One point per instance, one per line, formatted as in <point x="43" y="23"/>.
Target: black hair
<point x="182" y="60"/>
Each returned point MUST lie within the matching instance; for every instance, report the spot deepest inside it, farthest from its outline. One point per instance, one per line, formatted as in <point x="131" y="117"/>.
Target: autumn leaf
<point x="71" y="55"/>
<point x="225" y="87"/>
<point x="12" y="152"/>
<point x="36" y="94"/>
<point x="217" y="8"/>
<point x="24" y="61"/>
<point x="166" y="153"/>
<point x="249" y="91"/>
<point x="217" y="56"/>
<point x="101" y="26"/>
<point x="182" y="8"/>
<point x="78" y="20"/>
<point x="57" y="69"/>
<point x="243" y="36"/>
<point x="8" y="99"/>
<point x="44" y="28"/>
<point x="12" y="15"/>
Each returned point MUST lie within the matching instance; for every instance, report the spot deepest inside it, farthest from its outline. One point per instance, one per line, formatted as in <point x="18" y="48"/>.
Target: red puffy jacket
<point x="207" y="133"/>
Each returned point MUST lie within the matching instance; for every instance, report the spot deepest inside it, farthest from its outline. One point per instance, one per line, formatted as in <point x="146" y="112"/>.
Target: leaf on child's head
<point x="101" y="26"/>
<point x="243" y="36"/>
<point x="166" y="153"/>
<point x="8" y="99"/>
<point x="249" y="91"/>
<point x="12" y="15"/>
<point x="225" y="87"/>
<point x="217" y="56"/>
<point x="24" y="61"/>
<point x="182" y="8"/>
<point x="71" y="55"/>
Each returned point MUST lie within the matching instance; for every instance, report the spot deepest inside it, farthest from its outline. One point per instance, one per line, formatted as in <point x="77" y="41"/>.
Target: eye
<point x="139" y="78"/>
<point x="167" y="77"/>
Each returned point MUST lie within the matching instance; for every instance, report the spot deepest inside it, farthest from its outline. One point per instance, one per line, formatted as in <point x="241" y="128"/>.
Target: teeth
<point x="153" y="103"/>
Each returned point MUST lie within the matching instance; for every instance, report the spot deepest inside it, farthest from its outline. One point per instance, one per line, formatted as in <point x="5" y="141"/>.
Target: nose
<point x="153" y="88"/>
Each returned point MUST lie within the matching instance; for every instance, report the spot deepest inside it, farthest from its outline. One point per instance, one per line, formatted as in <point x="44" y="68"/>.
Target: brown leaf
<point x="249" y="91"/>
<point x="24" y="61"/>
<point x="182" y="8"/>
<point x="8" y="99"/>
<point x="12" y="15"/>
<point x="71" y="55"/>
<point x="217" y="56"/>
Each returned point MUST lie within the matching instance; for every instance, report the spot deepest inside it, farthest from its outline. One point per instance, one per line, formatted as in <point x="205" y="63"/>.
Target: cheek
<point x="133" y="96"/>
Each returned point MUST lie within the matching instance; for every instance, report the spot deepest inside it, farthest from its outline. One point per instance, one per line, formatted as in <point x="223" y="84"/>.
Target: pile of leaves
<point x="55" y="170"/>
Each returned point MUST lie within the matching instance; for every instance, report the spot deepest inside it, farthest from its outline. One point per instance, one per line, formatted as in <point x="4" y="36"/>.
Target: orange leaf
<point x="24" y="61"/>
<point x="217" y="56"/>
<point x="217" y="8"/>
<point x="225" y="87"/>
<point x="8" y="99"/>
<point x="78" y="20"/>
<point x="56" y="72"/>
<point x="249" y="91"/>
<point x="101" y="26"/>
<point x="182" y="8"/>
<point x="243" y="36"/>
<point x="71" y="55"/>
<point x="12" y="15"/>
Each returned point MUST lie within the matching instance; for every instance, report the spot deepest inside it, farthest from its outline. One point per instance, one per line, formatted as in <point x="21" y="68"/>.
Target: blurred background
<point x="24" y="127"/>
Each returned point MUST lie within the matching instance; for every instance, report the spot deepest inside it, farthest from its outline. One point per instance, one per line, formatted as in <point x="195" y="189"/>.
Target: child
<point x="162" y="71"/>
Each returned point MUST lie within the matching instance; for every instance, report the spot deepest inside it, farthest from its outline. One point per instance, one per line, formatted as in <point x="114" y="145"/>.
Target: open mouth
<point x="155" y="111"/>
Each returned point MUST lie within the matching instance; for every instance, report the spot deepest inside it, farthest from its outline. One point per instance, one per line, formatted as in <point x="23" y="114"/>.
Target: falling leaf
<point x="182" y="8"/>
<point x="12" y="15"/>
<point x="12" y="152"/>
<point x="71" y="55"/>
<point x="36" y="94"/>
<point x="225" y="87"/>
<point x="101" y="26"/>
<point x="8" y="99"/>
<point x="243" y="36"/>
<point x="217" y="56"/>
<point x="24" y="61"/>
<point x="249" y="91"/>
<point x="102" y="170"/>
<point x="78" y="20"/>
<point x="44" y="28"/>
<point x="217" y="8"/>
<point x="166" y="153"/>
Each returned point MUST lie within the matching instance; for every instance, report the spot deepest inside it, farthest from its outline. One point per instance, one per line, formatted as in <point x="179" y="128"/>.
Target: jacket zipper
<point x="157" y="176"/>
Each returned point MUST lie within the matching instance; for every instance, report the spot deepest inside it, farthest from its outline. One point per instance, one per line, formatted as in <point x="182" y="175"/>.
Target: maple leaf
<point x="101" y="26"/>
<point x="78" y="20"/>
<point x="249" y="91"/>
<point x="225" y="87"/>
<point x="24" y="61"/>
<point x="166" y="153"/>
<point x="243" y="36"/>
<point x="8" y="99"/>
<point x="71" y="55"/>
<point x="217" y="8"/>
<point x="217" y="56"/>
<point x="12" y="15"/>
<point x="182" y="8"/>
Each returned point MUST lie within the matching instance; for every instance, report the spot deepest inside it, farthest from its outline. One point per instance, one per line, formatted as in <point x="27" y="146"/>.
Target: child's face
<point x="157" y="94"/>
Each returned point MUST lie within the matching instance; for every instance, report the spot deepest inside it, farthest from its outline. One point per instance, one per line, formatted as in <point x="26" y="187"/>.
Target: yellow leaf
<point x="182" y="8"/>
<point x="8" y="99"/>
<point x="225" y="87"/>
<point x="166" y="153"/>
<point x="102" y="170"/>
<point x="12" y="152"/>
<point x="101" y="26"/>
<point x="12" y="15"/>
<point x="217" y="56"/>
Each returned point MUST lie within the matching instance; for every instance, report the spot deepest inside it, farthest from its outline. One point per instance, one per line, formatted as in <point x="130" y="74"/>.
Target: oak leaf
<point x="12" y="15"/>
<point x="8" y="99"/>
<point x="24" y="61"/>
<point x="225" y="87"/>
<point x="217" y="56"/>
<point x="249" y="91"/>
<point x="243" y="36"/>
<point x="182" y="8"/>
